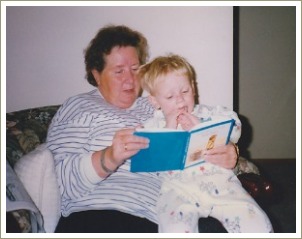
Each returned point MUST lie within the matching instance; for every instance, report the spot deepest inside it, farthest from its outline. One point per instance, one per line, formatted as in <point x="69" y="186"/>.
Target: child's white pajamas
<point x="207" y="190"/>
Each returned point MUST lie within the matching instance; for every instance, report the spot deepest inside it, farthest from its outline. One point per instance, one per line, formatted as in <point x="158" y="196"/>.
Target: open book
<point x="171" y="149"/>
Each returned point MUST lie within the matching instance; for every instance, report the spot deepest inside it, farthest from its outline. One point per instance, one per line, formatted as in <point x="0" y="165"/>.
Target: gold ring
<point x="125" y="147"/>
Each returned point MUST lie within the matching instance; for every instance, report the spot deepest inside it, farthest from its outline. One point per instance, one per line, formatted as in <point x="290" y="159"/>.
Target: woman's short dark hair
<point x="108" y="38"/>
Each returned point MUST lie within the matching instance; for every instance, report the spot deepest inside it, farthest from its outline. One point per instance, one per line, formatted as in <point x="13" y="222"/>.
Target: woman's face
<point x="118" y="82"/>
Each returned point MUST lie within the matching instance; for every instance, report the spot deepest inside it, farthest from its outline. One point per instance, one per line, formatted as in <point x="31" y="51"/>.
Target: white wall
<point x="45" y="64"/>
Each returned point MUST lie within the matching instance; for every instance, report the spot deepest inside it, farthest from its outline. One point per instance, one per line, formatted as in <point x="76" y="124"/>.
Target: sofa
<point x="27" y="155"/>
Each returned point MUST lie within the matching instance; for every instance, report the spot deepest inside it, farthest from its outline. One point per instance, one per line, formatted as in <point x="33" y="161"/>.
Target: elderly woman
<point x="91" y="138"/>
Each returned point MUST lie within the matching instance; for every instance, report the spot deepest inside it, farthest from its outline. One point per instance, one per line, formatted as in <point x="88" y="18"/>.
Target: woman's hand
<point x="224" y="156"/>
<point x="124" y="145"/>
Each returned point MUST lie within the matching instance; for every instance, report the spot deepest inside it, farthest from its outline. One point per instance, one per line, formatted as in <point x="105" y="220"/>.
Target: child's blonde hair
<point x="161" y="66"/>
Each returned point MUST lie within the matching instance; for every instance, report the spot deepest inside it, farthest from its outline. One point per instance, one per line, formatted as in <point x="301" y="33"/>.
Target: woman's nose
<point x="129" y="76"/>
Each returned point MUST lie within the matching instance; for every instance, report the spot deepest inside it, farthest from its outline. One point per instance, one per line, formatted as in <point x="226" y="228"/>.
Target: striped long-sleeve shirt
<point x="87" y="123"/>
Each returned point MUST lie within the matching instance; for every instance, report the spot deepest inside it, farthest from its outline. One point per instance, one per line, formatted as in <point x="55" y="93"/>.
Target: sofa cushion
<point x="36" y="170"/>
<point x="26" y="129"/>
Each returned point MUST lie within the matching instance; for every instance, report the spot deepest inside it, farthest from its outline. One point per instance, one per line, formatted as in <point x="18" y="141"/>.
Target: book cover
<point x="171" y="149"/>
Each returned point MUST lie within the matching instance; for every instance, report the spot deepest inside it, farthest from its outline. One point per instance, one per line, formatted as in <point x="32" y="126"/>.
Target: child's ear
<point x="153" y="102"/>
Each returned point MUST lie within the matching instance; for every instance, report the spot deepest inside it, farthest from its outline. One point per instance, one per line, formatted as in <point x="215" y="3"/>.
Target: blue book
<point x="171" y="149"/>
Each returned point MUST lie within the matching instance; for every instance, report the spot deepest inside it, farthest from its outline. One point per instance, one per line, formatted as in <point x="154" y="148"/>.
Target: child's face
<point x="173" y="93"/>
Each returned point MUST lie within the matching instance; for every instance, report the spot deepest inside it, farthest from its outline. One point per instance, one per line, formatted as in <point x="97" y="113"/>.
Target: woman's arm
<point x="79" y="171"/>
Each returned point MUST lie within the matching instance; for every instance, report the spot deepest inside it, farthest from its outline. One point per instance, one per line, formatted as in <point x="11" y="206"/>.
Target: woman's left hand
<point x="224" y="156"/>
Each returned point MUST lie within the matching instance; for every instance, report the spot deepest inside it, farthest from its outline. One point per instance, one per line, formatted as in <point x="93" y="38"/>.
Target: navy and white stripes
<point x="86" y="123"/>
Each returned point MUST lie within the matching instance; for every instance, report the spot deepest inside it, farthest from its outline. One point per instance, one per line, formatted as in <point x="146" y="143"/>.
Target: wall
<point x="44" y="63"/>
<point x="44" y="47"/>
<point x="267" y="81"/>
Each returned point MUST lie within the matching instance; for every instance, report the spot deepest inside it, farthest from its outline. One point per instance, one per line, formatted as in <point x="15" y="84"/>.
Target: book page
<point x="207" y="138"/>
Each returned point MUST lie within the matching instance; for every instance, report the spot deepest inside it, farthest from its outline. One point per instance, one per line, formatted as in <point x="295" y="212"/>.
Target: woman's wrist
<point x="106" y="165"/>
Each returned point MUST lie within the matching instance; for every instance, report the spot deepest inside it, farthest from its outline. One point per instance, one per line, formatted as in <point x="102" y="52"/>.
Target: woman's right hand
<point x="124" y="145"/>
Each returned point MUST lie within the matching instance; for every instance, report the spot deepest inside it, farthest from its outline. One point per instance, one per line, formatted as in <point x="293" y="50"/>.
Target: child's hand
<point x="187" y="121"/>
<point x="172" y="120"/>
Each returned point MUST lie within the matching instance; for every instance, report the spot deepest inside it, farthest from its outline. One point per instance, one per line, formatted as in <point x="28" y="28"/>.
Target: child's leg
<point x="180" y="220"/>
<point x="242" y="217"/>
<point x="232" y="205"/>
<point x="176" y="213"/>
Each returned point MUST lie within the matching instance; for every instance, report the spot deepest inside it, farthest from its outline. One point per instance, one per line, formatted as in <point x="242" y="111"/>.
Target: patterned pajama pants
<point x="208" y="190"/>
